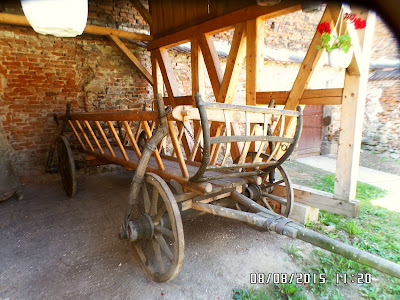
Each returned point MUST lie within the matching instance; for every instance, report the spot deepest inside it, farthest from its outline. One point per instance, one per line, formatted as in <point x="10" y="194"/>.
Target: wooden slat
<point x="104" y="138"/>
<point x="234" y="65"/>
<point x="177" y="150"/>
<point x="253" y="138"/>
<point x="197" y="142"/>
<point x="117" y="140"/>
<point x="216" y="148"/>
<point x="225" y="22"/>
<point x="143" y="11"/>
<point x="254" y="58"/>
<point x="212" y="62"/>
<point x="142" y="70"/>
<point x="228" y="137"/>
<point x="94" y="136"/>
<point x="84" y="135"/>
<point x="310" y="97"/>
<point x="90" y="29"/>
<point x="181" y="100"/>
<point x="156" y="154"/>
<point x="112" y="116"/>
<point x="132" y="139"/>
<point x="76" y="134"/>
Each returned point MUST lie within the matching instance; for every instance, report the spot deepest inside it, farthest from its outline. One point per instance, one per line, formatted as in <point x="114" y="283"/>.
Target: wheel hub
<point x="253" y="191"/>
<point x="141" y="228"/>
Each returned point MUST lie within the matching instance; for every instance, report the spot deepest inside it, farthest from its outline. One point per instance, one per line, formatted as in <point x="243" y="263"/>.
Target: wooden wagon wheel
<point x="66" y="166"/>
<point x="276" y="176"/>
<point x="158" y="228"/>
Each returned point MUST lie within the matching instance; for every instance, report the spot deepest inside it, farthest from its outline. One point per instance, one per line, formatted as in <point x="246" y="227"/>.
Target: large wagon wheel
<point x="272" y="178"/>
<point x="158" y="231"/>
<point x="66" y="166"/>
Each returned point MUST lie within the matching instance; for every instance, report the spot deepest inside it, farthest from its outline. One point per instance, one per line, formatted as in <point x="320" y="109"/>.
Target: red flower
<point x="360" y="24"/>
<point x="324" y="27"/>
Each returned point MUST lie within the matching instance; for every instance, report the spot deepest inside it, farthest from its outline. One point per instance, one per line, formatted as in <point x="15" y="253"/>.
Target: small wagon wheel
<point x="272" y="178"/>
<point x="66" y="166"/>
<point x="158" y="231"/>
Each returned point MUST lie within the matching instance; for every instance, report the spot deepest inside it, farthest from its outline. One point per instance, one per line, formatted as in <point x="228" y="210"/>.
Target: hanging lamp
<point x="62" y="18"/>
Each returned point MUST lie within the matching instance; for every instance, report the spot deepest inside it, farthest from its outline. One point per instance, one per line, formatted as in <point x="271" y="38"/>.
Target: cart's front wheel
<point x="66" y="166"/>
<point x="157" y="230"/>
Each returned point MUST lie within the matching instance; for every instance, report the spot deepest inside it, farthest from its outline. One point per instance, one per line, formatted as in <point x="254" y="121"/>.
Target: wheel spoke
<point x="164" y="231"/>
<point x="146" y="199"/>
<point x="269" y="184"/>
<point x="281" y="200"/>
<point x="154" y="201"/>
<point x="164" y="247"/>
<point x="149" y="250"/>
<point x="158" y="216"/>
<point x="266" y="204"/>
<point x="157" y="252"/>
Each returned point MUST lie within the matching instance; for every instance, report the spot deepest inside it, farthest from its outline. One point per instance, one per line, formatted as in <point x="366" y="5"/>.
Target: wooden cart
<point x="230" y="169"/>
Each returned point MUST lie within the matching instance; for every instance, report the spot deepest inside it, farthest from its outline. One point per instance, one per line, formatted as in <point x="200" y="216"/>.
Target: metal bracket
<point x="137" y="178"/>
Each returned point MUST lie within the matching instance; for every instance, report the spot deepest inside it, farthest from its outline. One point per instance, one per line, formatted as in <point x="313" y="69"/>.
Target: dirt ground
<point x="53" y="247"/>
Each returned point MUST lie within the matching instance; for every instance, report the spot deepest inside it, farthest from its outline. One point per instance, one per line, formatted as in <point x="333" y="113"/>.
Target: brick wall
<point x="40" y="74"/>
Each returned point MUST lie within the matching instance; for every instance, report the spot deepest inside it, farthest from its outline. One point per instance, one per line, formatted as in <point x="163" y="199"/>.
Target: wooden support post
<point x="307" y="68"/>
<point x="172" y="88"/>
<point x="198" y="84"/>
<point x="351" y="120"/>
<point x="234" y="65"/>
<point x="132" y="58"/>
<point x="254" y="58"/>
<point x="211" y="60"/>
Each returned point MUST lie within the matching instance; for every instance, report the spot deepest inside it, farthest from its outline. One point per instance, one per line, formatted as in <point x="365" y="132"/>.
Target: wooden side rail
<point x="255" y="140"/>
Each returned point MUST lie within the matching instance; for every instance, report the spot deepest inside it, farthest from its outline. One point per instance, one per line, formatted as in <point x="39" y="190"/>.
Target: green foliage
<point x="293" y="251"/>
<point x="342" y="42"/>
<point x="364" y="191"/>
<point x="289" y="291"/>
<point x="249" y="294"/>
<point x="351" y="227"/>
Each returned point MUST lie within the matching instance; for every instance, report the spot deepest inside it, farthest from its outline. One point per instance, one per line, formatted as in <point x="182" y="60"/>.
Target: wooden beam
<point x="180" y="100"/>
<point x="211" y="60"/>
<point x="132" y="58"/>
<point x="197" y="65"/>
<point x="310" y="97"/>
<point x="164" y="61"/>
<point x="254" y="58"/>
<point x="351" y="122"/>
<point x="321" y="200"/>
<point x="158" y="87"/>
<point x="227" y="21"/>
<point x="307" y="68"/>
<point x="234" y="65"/>
<point x="89" y="29"/>
<point x="143" y="11"/>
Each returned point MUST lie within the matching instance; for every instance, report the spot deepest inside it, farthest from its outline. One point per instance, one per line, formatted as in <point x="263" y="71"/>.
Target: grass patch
<point x="364" y="191"/>
<point x="376" y="230"/>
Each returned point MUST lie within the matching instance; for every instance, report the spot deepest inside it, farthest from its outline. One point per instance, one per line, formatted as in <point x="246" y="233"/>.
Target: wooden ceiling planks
<point x="180" y="33"/>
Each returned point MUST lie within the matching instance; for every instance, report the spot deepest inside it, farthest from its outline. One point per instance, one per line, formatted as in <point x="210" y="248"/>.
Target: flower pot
<point x="338" y="59"/>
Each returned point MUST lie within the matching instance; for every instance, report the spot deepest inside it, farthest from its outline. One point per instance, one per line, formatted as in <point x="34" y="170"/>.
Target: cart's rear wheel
<point x="276" y="176"/>
<point x="66" y="166"/>
<point x="160" y="240"/>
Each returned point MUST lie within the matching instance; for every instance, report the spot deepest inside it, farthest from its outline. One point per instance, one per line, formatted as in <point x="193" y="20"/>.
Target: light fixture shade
<point x="63" y="18"/>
